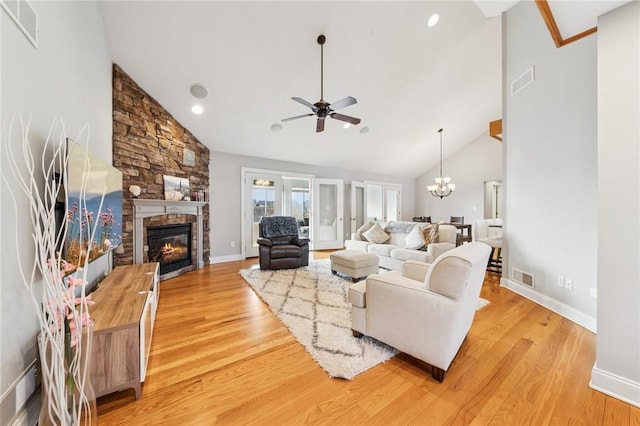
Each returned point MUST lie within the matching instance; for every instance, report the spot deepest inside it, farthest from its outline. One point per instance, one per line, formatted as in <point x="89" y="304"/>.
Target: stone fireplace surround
<point x="145" y="208"/>
<point x="147" y="144"/>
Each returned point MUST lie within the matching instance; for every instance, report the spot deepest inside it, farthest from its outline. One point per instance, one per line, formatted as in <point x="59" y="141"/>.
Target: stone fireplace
<point x="169" y="245"/>
<point x="148" y="143"/>
<point x="154" y="217"/>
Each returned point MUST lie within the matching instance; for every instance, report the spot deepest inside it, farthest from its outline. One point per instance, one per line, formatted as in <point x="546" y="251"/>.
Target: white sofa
<point x="427" y="310"/>
<point x="392" y="254"/>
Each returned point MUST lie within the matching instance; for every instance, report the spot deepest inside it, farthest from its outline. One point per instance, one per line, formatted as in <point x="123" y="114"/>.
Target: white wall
<point x="226" y="196"/>
<point x="550" y="164"/>
<point x="69" y="77"/>
<point x="617" y="369"/>
<point x="469" y="168"/>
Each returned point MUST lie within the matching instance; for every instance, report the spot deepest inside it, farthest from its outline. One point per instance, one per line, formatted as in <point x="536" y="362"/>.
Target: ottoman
<point x="355" y="264"/>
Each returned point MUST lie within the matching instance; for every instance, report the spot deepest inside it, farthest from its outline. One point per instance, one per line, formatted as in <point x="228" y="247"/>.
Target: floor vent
<point x="524" y="278"/>
<point x="523" y="81"/>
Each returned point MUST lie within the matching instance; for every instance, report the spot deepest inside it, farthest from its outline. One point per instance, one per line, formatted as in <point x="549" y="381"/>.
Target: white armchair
<point x="425" y="311"/>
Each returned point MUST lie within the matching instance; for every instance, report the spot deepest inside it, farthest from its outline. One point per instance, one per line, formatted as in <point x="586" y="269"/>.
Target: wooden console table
<point x="124" y="313"/>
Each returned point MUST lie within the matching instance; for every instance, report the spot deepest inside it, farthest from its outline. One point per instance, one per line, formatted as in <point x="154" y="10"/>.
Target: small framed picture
<point x="188" y="157"/>
<point x="176" y="188"/>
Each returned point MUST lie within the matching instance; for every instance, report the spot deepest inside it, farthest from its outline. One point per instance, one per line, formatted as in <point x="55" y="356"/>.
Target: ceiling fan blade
<point x="305" y="103"/>
<point x="343" y="103"/>
<point x="320" y="125"/>
<point x="346" y="118"/>
<point x="297" y="116"/>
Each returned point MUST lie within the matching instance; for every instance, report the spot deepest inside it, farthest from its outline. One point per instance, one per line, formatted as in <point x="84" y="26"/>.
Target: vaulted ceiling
<point x="252" y="57"/>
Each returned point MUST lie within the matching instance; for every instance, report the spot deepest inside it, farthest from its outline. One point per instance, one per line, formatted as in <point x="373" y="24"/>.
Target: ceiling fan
<point x="322" y="108"/>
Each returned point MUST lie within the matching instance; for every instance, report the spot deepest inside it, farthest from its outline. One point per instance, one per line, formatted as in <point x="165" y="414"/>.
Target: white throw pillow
<point x="415" y="239"/>
<point x="376" y="235"/>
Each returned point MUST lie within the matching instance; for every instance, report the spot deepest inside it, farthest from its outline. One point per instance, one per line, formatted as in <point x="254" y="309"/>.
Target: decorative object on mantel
<point x="135" y="190"/>
<point x="201" y="195"/>
<point x="443" y="187"/>
<point x="58" y="291"/>
<point x="188" y="157"/>
<point x="176" y="188"/>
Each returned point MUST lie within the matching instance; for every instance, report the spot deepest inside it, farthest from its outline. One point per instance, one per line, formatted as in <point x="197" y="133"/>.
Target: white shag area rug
<point x="312" y="303"/>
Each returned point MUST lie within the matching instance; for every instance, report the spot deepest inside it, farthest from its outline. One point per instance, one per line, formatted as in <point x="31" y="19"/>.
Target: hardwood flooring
<point x="219" y="356"/>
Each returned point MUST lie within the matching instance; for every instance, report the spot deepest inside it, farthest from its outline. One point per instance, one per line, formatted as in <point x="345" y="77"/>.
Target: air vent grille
<point x="523" y="81"/>
<point x="522" y="277"/>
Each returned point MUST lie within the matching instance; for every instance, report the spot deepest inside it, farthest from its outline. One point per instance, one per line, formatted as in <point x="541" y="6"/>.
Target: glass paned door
<point x="328" y="209"/>
<point x="374" y="203"/>
<point x="391" y="196"/>
<point x="383" y="202"/>
<point x="358" y="204"/>
<point x="297" y="202"/>
<point x="264" y="198"/>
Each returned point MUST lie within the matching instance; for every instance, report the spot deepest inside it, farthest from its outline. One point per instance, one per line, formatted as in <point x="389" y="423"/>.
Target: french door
<point x="263" y="194"/>
<point x="328" y="212"/>
<point x="358" y="205"/>
<point x="383" y="202"/>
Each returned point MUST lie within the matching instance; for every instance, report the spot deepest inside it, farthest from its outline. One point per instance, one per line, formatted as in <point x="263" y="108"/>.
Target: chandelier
<point x="443" y="187"/>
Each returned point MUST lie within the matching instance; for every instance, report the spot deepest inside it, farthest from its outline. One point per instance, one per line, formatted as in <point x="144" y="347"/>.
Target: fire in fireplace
<point x="170" y="245"/>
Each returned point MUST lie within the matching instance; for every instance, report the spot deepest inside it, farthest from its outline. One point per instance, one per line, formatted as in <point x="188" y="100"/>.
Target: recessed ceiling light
<point x="364" y="130"/>
<point x="346" y="125"/>
<point x="197" y="109"/>
<point x="433" y="20"/>
<point x="276" y="127"/>
<point x="198" y="91"/>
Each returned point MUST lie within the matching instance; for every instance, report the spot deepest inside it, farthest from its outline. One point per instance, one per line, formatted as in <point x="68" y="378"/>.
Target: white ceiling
<point x="409" y="79"/>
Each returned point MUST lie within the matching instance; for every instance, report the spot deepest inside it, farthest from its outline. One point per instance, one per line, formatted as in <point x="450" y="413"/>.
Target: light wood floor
<point x="219" y="356"/>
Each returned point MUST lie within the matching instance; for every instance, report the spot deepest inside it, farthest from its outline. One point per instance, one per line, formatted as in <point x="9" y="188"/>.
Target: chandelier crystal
<point x="443" y="186"/>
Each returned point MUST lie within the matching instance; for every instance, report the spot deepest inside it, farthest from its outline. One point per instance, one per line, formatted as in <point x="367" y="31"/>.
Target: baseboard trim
<point x="29" y="413"/>
<point x="223" y="259"/>
<point x="572" y="314"/>
<point x="613" y="385"/>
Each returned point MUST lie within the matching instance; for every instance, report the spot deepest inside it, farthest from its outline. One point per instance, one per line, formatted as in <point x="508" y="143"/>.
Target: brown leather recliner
<point x="280" y="245"/>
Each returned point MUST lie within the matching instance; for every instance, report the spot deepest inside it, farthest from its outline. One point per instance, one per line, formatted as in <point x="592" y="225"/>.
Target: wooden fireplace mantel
<point x="143" y="208"/>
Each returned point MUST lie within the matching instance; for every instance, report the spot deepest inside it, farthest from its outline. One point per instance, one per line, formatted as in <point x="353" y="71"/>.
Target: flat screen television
<point x="94" y="206"/>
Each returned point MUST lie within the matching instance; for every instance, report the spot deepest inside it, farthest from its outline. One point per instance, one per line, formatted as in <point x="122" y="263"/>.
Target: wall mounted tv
<point x="94" y="206"/>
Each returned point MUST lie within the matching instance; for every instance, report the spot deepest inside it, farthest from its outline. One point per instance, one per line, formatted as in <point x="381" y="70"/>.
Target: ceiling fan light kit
<point x="443" y="186"/>
<point x="322" y="108"/>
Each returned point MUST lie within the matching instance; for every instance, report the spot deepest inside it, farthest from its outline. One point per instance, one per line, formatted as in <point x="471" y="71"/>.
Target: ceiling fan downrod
<point x="322" y="108"/>
<point x="321" y="41"/>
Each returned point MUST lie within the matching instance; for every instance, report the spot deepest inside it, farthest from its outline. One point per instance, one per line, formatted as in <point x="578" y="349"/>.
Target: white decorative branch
<point x="60" y="300"/>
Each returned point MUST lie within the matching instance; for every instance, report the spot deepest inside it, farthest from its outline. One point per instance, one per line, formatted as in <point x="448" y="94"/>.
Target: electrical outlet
<point x="593" y="292"/>
<point x="232" y="244"/>
<point x="568" y="284"/>
<point x="560" y="281"/>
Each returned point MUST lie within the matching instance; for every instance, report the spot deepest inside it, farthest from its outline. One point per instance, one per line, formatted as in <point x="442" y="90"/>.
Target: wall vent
<point x="25" y="17"/>
<point x="523" y="81"/>
<point x="524" y="278"/>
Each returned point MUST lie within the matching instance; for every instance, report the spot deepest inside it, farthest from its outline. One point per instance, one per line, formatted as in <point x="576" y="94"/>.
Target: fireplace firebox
<point x="170" y="245"/>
